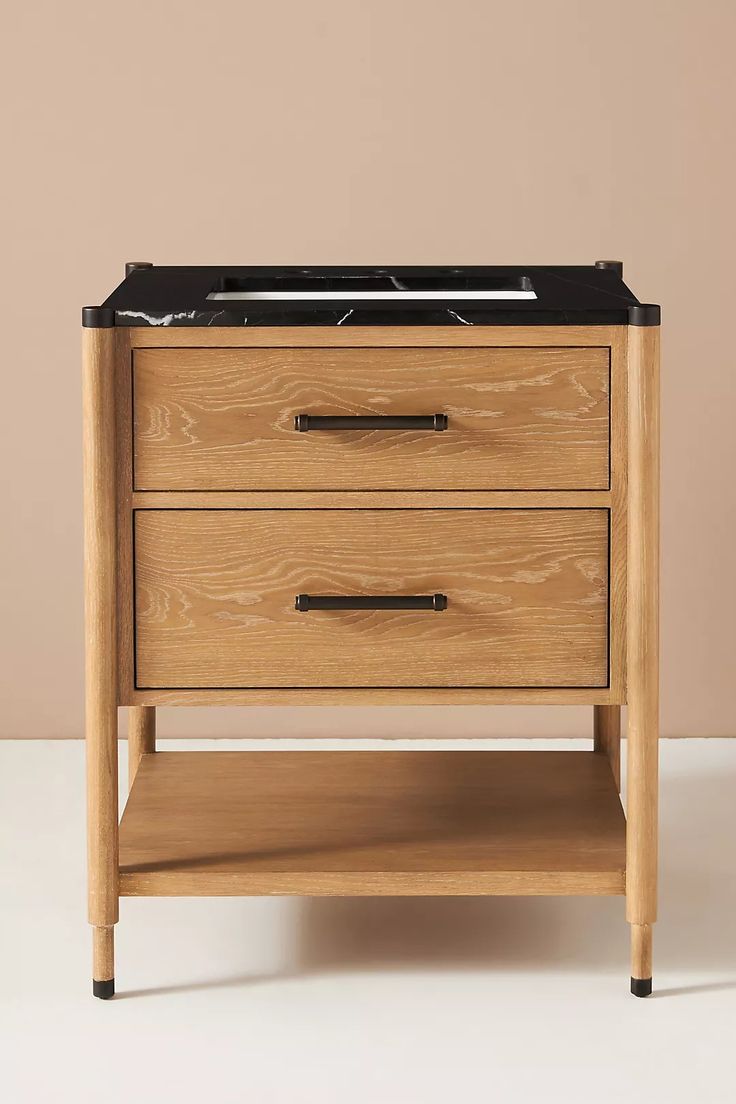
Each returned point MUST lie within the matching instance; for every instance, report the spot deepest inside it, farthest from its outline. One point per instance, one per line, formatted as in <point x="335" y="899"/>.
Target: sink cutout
<point x="371" y="288"/>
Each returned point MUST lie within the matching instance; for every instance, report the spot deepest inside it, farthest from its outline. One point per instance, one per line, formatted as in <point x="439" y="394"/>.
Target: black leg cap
<point x="104" y="989"/>
<point x="641" y="987"/>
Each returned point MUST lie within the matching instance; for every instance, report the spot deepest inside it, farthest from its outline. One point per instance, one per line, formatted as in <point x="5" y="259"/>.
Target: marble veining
<point x="153" y="319"/>
<point x="459" y="317"/>
<point x="441" y="317"/>
<point x="215" y="296"/>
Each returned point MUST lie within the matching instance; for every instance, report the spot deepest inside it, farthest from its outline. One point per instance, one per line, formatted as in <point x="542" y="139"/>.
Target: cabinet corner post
<point x="101" y="694"/>
<point x="642" y="648"/>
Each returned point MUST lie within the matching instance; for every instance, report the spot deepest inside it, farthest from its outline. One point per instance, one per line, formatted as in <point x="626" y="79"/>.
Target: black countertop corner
<point x="565" y="295"/>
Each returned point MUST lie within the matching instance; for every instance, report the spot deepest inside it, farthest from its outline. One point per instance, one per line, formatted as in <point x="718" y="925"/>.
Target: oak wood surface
<point x="536" y="829"/>
<point x="100" y="585"/>
<point x="103" y="953"/>
<point x="141" y="736"/>
<point x="527" y="593"/>
<point x="124" y="488"/>
<point x="223" y="419"/>
<point x="643" y="634"/>
<point x="618" y="596"/>
<point x="388" y="337"/>
<point x="378" y="696"/>
<point x="271" y="337"/>
<point x="219" y="823"/>
<point x="607" y="736"/>
<point x="361" y="500"/>
<point x="641" y="950"/>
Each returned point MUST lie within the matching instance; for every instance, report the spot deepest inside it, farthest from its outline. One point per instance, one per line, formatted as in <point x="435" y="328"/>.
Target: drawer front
<point x="527" y="598"/>
<point x="517" y="419"/>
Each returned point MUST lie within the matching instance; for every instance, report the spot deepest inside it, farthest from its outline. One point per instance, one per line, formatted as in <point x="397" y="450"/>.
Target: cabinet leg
<point x="103" y="962"/>
<point x="141" y="736"/>
<point x="607" y="736"/>
<point x="641" y="959"/>
<point x="642" y="652"/>
<point x="101" y="703"/>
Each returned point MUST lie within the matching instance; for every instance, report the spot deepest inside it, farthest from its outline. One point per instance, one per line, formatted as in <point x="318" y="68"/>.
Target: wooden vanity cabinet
<point x="371" y="514"/>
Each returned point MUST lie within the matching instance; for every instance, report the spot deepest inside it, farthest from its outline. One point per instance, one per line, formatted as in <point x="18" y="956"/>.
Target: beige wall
<point x="376" y="131"/>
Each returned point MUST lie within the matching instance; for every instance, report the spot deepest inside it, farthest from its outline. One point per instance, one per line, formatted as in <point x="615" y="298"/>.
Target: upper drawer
<point x="517" y="419"/>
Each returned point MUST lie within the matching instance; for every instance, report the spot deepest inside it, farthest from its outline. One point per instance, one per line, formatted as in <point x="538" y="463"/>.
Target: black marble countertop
<point x="563" y="295"/>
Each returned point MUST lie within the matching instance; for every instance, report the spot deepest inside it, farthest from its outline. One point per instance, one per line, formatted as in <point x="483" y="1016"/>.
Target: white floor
<point x="380" y="1000"/>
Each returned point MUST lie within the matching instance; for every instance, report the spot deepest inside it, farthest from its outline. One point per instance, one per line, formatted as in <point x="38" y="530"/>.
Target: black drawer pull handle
<point x="305" y="423"/>
<point x="306" y="602"/>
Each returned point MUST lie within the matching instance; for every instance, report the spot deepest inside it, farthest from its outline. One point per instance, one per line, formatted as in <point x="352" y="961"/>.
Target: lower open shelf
<point x="363" y="823"/>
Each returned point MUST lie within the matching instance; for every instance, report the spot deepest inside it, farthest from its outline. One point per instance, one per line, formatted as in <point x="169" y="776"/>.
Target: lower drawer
<point x="216" y="595"/>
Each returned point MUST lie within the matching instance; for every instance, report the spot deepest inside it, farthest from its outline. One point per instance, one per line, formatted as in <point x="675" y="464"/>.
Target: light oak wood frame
<point x="101" y="702"/>
<point x="110" y="501"/>
<point x="643" y="651"/>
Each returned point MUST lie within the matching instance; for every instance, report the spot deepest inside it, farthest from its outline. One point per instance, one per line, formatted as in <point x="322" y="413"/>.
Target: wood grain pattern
<point x="371" y="695"/>
<point x="103" y="953"/>
<point x="615" y="499"/>
<point x="234" y="823"/>
<point x="223" y="419"/>
<point x="141" y="737"/>
<point x="124" y="485"/>
<point x="100" y="581"/>
<point x="100" y="630"/>
<point x="527" y="590"/>
<point x="643" y="635"/>
<point x="607" y="736"/>
<point x="376" y="337"/>
<point x="641" y="950"/>
<point x="534" y="598"/>
<point x="363" y="500"/>
<point x="618" y="596"/>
